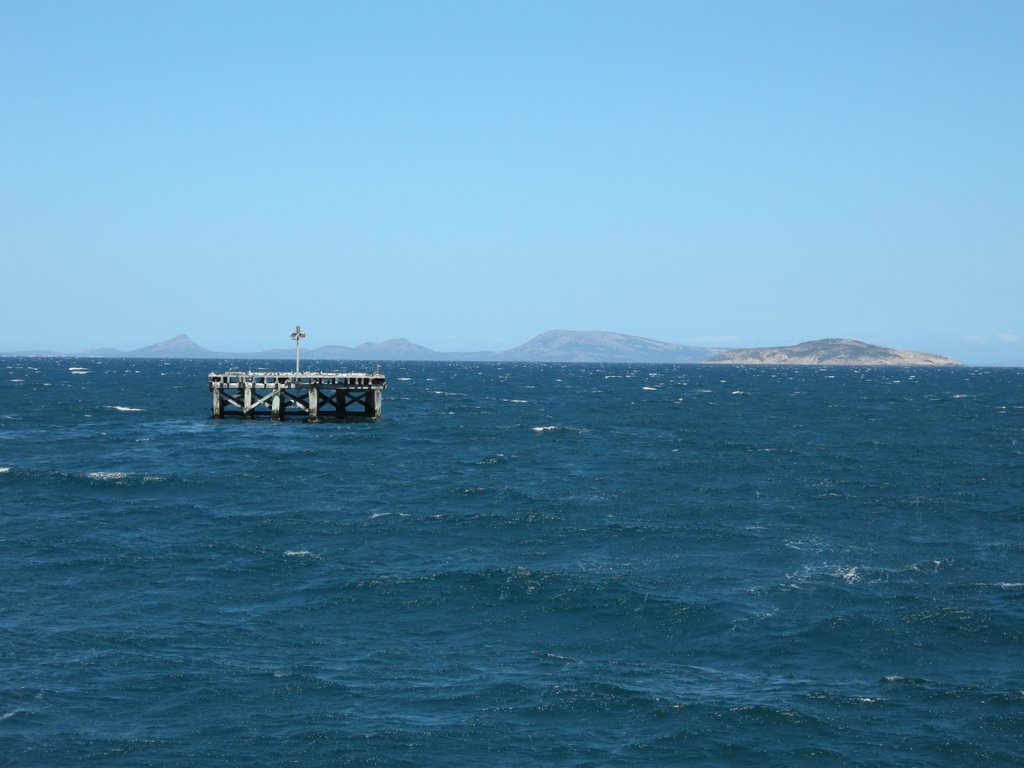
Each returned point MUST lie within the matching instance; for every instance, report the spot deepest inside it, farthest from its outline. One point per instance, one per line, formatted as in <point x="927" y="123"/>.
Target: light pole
<point x="298" y="335"/>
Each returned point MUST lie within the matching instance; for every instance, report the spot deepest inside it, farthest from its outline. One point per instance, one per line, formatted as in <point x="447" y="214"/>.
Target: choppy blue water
<point x="521" y="565"/>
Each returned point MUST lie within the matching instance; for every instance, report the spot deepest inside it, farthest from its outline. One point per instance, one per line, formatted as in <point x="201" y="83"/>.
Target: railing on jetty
<point x="309" y="395"/>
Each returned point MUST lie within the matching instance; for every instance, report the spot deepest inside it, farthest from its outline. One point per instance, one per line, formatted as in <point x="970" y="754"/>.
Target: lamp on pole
<point x="298" y="336"/>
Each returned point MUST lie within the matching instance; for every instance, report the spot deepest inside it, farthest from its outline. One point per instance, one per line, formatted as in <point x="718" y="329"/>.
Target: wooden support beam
<point x="314" y="403"/>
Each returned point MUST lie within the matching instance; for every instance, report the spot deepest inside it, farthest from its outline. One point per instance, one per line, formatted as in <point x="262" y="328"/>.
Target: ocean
<point x="519" y="565"/>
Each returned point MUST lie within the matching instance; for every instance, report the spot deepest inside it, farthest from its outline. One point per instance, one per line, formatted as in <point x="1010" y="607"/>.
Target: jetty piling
<point x="309" y="395"/>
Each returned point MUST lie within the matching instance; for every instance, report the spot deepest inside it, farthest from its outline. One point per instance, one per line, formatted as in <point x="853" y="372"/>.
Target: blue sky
<point x="470" y="174"/>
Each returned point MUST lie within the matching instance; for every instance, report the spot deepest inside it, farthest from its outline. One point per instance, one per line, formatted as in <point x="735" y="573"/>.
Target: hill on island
<point x="829" y="352"/>
<point x="177" y="346"/>
<point x="602" y="347"/>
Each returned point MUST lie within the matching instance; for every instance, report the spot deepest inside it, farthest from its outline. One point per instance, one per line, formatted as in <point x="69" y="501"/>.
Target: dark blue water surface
<point x="520" y="565"/>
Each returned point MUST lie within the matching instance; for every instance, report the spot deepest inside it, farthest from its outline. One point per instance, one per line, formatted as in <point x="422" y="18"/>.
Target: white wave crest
<point x="125" y="409"/>
<point x="849" y="574"/>
<point x="121" y="477"/>
<point x="107" y="475"/>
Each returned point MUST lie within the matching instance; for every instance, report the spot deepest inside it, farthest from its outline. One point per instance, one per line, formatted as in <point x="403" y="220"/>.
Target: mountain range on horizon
<point x="552" y="346"/>
<point x="557" y="346"/>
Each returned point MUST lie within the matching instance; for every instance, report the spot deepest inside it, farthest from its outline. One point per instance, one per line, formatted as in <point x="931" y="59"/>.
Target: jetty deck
<point x="308" y="395"/>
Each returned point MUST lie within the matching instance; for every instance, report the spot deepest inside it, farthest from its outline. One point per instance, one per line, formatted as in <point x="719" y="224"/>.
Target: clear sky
<point x="470" y="174"/>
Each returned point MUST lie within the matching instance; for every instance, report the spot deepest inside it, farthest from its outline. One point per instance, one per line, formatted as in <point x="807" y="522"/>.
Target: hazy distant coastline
<point x="552" y="346"/>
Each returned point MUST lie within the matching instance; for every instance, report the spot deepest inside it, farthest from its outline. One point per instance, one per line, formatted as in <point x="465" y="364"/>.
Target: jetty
<point x="308" y="395"/>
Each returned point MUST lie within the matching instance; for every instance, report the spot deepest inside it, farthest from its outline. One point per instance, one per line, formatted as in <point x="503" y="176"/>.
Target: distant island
<point x="828" y="352"/>
<point x="561" y="347"/>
